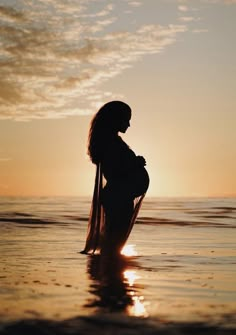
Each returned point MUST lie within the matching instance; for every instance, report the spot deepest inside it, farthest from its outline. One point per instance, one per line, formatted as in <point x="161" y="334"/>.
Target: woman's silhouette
<point x="115" y="206"/>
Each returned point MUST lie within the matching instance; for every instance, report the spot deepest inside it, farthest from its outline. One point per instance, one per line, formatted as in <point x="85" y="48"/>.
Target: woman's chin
<point x="123" y="130"/>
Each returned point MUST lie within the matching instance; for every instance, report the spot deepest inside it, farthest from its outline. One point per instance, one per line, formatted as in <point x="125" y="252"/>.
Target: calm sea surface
<point x="215" y="212"/>
<point x="182" y="263"/>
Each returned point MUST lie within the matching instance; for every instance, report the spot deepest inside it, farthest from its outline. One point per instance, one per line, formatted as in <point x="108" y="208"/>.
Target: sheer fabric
<point x="97" y="219"/>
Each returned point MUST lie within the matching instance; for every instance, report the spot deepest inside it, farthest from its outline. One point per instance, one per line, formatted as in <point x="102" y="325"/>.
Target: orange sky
<point x="172" y="62"/>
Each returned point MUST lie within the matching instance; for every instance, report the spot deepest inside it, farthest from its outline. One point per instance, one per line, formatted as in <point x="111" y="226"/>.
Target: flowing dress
<point x="120" y="186"/>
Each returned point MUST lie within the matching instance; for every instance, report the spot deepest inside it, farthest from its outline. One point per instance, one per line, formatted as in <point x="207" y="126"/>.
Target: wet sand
<point x="111" y="325"/>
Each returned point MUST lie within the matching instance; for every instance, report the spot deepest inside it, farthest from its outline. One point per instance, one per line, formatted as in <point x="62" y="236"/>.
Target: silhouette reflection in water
<point x="120" y="184"/>
<point x="114" y="287"/>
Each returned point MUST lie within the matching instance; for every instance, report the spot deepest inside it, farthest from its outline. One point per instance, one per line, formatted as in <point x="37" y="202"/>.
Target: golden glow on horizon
<point x="183" y="119"/>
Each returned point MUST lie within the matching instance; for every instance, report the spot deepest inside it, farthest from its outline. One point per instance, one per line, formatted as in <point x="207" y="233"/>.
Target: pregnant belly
<point x="129" y="187"/>
<point x="138" y="182"/>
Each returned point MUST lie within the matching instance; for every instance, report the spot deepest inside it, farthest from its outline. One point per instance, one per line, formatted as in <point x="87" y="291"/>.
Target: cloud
<point x="104" y="12"/>
<point x="188" y="18"/>
<point x="182" y="8"/>
<point x="55" y="54"/>
<point x="11" y="14"/>
<point x="135" y="3"/>
<point x="5" y="159"/>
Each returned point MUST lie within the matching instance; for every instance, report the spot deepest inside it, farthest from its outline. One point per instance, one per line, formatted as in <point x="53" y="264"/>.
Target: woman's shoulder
<point x="122" y="143"/>
<point x="116" y="146"/>
<point x="116" y="142"/>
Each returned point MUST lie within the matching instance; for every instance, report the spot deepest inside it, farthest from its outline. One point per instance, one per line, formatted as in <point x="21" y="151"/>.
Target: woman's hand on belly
<point x="141" y="161"/>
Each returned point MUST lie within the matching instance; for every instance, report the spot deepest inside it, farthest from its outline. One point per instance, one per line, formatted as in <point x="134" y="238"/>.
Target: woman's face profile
<point x="125" y="122"/>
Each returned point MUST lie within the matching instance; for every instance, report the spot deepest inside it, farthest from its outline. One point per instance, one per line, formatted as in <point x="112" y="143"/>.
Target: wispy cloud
<point x="5" y="159"/>
<point x="55" y="54"/>
<point x="135" y="3"/>
<point x="182" y="8"/>
<point x="187" y="18"/>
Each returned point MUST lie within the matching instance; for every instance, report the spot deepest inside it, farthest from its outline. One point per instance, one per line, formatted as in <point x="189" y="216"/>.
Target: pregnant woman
<point x="121" y="180"/>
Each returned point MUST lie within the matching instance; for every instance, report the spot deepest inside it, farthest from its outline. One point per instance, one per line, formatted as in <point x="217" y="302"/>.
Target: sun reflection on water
<point x="130" y="276"/>
<point x="138" y="305"/>
<point x="115" y="283"/>
<point x="129" y="250"/>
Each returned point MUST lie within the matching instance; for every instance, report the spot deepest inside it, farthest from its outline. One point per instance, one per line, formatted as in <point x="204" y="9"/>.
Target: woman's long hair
<point x="104" y="125"/>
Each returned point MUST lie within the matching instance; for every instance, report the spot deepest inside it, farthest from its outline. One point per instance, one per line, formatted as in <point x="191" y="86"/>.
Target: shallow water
<point x="184" y="267"/>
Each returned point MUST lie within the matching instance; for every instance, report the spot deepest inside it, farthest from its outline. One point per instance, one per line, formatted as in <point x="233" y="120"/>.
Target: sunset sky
<point x="173" y="62"/>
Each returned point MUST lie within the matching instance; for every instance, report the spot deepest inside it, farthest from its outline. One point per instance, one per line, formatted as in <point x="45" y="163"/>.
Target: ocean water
<point x="180" y="263"/>
<point x="215" y="212"/>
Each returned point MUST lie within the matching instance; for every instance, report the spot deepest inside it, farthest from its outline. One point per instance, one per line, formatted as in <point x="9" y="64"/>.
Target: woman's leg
<point x="118" y="215"/>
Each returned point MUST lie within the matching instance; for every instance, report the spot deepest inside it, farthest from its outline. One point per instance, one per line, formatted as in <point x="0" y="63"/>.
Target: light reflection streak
<point x="129" y="250"/>
<point x="130" y="276"/>
<point x="137" y="308"/>
<point x="114" y="285"/>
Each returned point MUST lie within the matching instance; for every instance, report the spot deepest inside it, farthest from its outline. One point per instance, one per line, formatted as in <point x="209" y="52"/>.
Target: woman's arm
<point x="120" y="161"/>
